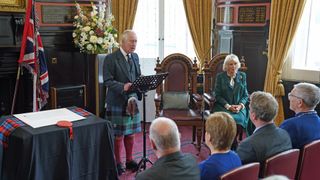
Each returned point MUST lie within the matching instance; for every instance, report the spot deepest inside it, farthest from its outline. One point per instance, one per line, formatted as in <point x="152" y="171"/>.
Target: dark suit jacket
<point x="116" y="74"/>
<point x="173" y="166"/>
<point x="265" y="142"/>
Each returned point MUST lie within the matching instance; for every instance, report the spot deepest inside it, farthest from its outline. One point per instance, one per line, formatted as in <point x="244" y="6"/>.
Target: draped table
<point x="49" y="153"/>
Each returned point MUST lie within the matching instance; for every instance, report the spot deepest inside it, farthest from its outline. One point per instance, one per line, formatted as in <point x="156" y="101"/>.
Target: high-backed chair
<point x="177" y="97"/>
<point x="284" y="163"/>
<point x="210" y="70"/>
<point x="248" y="172"/>
<point x="309" y="162"/>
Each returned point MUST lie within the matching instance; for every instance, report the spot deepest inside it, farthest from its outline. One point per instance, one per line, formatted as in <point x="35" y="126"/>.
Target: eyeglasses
<point x="292" y="95"/>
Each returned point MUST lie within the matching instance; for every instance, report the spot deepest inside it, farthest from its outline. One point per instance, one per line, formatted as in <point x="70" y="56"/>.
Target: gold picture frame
<point x="13" y="5"/>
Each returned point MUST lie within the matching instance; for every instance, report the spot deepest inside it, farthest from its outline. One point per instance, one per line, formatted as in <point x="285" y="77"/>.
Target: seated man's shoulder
<point x="283" y="133"/>
<point x="151" y="173"/>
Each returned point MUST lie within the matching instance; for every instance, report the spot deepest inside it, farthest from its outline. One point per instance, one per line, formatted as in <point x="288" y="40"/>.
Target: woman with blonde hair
<point x="220" y="132"/>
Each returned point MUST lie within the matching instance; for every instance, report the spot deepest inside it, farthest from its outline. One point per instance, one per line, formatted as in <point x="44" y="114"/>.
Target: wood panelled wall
<point x="67" y="67"/>
<point x="241" y="27"/>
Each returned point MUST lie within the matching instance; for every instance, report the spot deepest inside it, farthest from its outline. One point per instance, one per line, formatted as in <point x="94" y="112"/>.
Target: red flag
<point x="33" y="58"/>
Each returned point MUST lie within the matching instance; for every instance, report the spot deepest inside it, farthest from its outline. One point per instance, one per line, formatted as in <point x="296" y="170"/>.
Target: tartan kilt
<point x="123" y="123"/>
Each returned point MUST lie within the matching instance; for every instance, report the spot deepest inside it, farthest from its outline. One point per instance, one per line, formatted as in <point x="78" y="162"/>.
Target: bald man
<point x="172" y="163"/>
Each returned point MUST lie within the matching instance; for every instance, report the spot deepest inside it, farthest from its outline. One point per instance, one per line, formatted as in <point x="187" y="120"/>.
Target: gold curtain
<point x="124" y="12"/>
<point x="284" y="19"/>
<point x="198" y="13"/>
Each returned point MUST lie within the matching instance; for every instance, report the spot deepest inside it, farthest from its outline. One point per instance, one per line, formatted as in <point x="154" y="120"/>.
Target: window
<point x="303" y="61"/>
<point x="162" y="29"/>
<point x="306" y="43"/>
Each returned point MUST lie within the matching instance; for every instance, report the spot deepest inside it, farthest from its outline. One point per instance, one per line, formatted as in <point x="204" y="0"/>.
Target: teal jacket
<point x="226" y="94"/>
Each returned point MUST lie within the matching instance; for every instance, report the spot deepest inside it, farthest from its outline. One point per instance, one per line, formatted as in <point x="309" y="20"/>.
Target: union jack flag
<point x="33" y="58"/>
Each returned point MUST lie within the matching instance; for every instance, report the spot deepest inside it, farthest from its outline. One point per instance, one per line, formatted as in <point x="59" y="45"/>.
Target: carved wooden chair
<point x="177" y="98"/>
<point x="210" y="71"/>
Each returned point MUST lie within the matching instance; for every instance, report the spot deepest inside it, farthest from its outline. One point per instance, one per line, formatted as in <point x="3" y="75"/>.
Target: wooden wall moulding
<point x="245" y="1"/>
<point x="57" y="14"/>
<point x="12" y="5"/>
<point x="250" y="15"/>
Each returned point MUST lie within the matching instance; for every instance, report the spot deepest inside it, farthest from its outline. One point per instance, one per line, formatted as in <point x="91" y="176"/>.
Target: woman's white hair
<point x="230" y="57"/>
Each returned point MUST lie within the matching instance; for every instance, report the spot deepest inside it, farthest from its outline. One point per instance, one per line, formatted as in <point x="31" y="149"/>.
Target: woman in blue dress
<point x="220" y="132"/>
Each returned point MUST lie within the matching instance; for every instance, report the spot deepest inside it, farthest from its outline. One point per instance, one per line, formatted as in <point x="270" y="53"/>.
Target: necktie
<point x="129" y="59"/>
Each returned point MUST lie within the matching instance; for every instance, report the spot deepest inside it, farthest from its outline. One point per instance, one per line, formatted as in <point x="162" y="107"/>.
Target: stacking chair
<point x="248" y="172"/>
<point x="177" y="98"/>
<point x="309" y="162"/>
<point x="284" y="163"/>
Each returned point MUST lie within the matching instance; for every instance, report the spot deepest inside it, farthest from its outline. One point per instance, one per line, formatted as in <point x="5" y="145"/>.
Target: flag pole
<point x="37" y="63"/>
<point x="15" y="90"/>
<point x="22" y="50"/>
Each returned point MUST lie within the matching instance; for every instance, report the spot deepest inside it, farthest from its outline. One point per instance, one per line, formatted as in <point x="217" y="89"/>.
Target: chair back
<point x="309" y="162"/>
<point x="284" y="163"/>
<point x="182" y="74"/>
<point x="248" y="172"/>
<point x="210" y="71"/>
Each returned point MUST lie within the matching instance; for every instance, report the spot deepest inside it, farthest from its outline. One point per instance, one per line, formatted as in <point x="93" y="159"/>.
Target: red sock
<point x="128" y="144"/>
<point x="117" y="148"/>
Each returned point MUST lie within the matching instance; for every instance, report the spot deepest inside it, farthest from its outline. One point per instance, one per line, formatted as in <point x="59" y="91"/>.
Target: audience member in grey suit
<point x="172" y="163"/>
<point x="267" y="139"/>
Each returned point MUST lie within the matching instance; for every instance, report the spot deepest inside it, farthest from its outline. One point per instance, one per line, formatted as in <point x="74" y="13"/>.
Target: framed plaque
<point x="225" y="15"/>
<point x="13" y="5"/>
<point x="254" y="14"/>
<point x="232" y="1"/>
<point x="57" y="14"/>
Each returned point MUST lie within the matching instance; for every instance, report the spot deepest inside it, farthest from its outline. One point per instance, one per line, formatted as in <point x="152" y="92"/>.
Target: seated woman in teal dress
<point x="231" y="91"/>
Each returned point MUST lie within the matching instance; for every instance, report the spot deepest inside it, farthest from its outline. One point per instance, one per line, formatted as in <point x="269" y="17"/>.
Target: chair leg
<point x="203" y="132"/>
<point x="199" y="135"/>
<point x="238" y="137"/>
<point x="240" y="133"/>
<point x="193" y="134"/>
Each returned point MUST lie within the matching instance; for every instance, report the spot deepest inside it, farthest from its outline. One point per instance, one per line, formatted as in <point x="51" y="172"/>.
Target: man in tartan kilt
<point x="121" y="68"/>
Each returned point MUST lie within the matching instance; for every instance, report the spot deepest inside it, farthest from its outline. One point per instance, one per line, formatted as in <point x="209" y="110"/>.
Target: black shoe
<point x="120" y="169"/>
<point x="132" y="165"/>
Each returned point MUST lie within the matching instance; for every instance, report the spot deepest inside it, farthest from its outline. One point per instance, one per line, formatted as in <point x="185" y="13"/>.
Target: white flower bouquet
<point x="93" y="33"/>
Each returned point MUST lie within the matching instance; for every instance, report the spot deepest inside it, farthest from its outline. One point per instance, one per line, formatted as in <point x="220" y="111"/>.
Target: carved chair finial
<point x="243" y="63"/>
<point x="158" y="61"/>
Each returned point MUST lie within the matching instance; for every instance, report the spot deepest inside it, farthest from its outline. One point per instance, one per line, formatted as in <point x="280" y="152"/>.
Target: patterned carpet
<point x="186" y="147"/>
